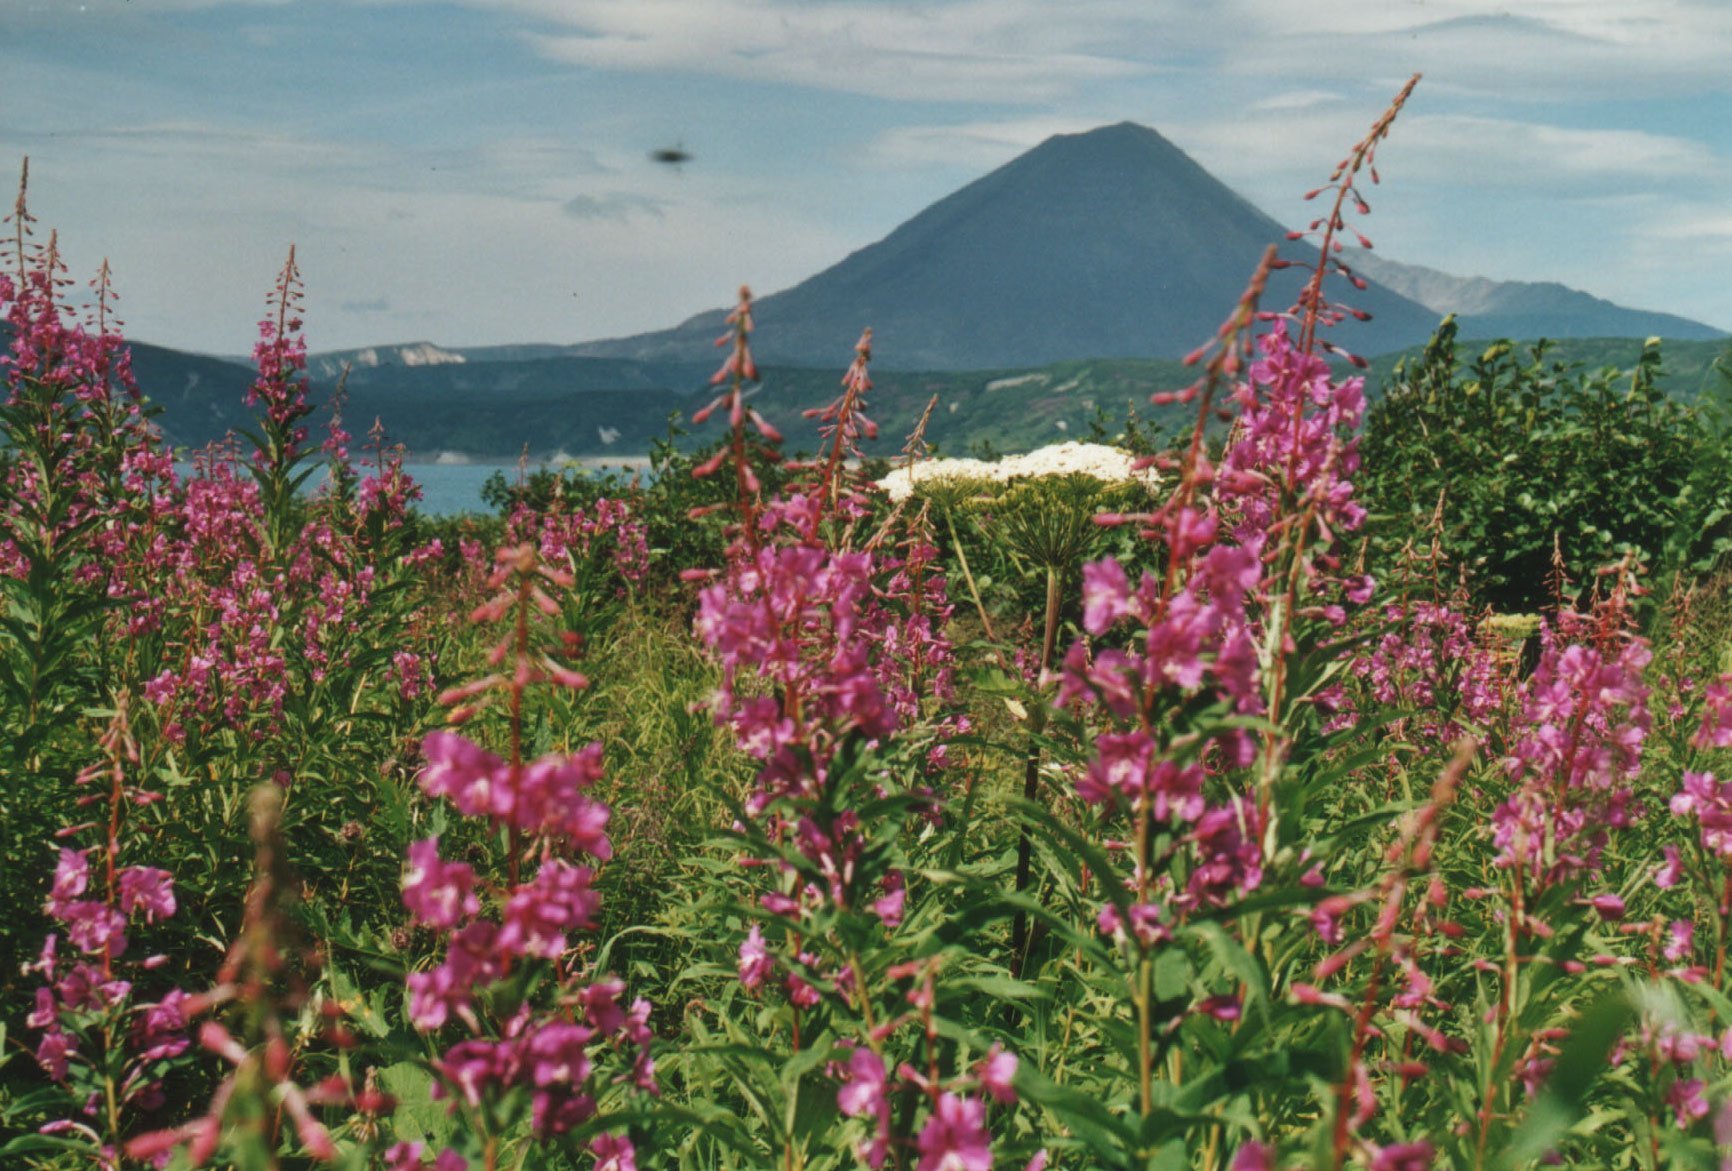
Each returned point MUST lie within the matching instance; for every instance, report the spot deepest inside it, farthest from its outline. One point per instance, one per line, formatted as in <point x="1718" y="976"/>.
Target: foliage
<point x="1515" y="457"/>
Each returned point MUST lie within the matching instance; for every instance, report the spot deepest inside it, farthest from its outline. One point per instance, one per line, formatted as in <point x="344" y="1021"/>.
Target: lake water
<point x="449" y="489"/>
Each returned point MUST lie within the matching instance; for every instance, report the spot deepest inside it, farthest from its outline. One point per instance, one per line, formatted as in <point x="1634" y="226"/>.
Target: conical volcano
<point x="1111" y="243"/>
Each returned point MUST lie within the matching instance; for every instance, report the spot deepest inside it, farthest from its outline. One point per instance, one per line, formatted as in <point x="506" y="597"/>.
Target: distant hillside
<point x="1112" y="243"/>
<point x="1525" y="309"/>
<point x="593" y="406"/>
<point x="495" y="408"/>
<point x="1006" y="409"/>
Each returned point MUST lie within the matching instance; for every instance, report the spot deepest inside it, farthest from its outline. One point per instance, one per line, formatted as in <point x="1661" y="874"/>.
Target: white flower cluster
<point x="1104" y="463"/>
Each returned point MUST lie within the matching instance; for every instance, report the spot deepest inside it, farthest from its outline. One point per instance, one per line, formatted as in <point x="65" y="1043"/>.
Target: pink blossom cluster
<point x="792" y="615"/>
<point x="281" y="386"/>
<point x="386" y="490"/>
<point x="411" y="1156"/>
<point x="546" y="797"/>
<point x="74" y="387"/>
<point x="388" y="494"/>
<point x="606" y="533"/>
<point x="195" y="565"/>
<point x="1701" y="795"/>
<point x="842" y="424"/>
<point x="551" y="1059"/>
<point x="1246" y="552"/>
<point x="848" y="645"/>
<point x="1688" y="1058"/>
<point x="231" y="592"/>
<point x="88" y="364"/>
<point x="1200" y="638"/>
<point x="1709" y="801"/>
<point x="1584" y="714"/>
<point x="1426" y="661"/>
<point x="1294" y="446"/>
<point x="826" y="649"/>
<point x="542" y="800"/>
<point x="911" y="608"/>
<point x="954" y="1136"/>
<point x="86" y="1013"/>
<point x="82" y="989"/>
<point x="549" y="1054"/>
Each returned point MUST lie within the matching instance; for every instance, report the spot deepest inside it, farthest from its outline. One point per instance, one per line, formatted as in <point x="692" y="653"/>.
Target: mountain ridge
<point x="1487" y="308"/>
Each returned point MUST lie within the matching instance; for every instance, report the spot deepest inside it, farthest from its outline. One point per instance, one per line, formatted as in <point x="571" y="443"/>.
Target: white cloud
<point x="1501" y="49"/>
<point x="59" y="11"/>
<point x="1297" y="147"/>
<point x="1020" y="51"/>
<point x="200" y="143"/>
<point x="1701" y="225"/>
<point x="969" y="50"/>
<point x="976" y="145"/>
<point x="617" y="206"/>
<point x="1508" y="152"/>
<point x="1301" y="99"/>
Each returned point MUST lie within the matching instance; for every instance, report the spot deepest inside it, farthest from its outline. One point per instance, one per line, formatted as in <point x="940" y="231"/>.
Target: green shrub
<point x="1519" y="456"/>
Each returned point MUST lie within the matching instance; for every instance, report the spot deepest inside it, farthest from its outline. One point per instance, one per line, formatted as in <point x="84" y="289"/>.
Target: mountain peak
<point x="1126" y="133"/>
<point x="1117" y="146"/>
<point x="1109" y="243"/>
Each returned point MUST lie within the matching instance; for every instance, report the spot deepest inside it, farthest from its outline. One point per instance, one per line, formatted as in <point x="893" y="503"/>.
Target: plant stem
<point x="967" y="576"/>
<point x="1019" y="934"/>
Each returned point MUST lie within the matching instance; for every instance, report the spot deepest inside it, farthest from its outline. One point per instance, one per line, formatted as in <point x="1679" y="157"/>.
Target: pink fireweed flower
<point x="539" y="913"/>
<point x="71" y="878"/>
<point x="1292" y="415"/>
<point x="409" y="1157"/>
<point x="148" y="890"/>
<point x="281" y="386"/>
<point x="160" y="1030"/>
<point x="995" y="1072"/>
<point x="461" y="771"/>
<point x="1671" y="871"/>
<point x="1716" y="729"/>
<point x="1680" y="940"/>
<point x="1586" y="716"/>
<point x="865" y="1094"/>
<point x="547" y="1054"/>
<point x="1428" y="661"/>
<point x="471" y="961"/>
<point x="811" y="622"/>
<point x="1415" y="1156"/>
<point x="438" y="894"/>
<point x="756" y="966"/>
<point x="1126" y="768"/>
<point x="603" y="535"/>
<point x="955" y="1137"/>
<point x="545" y="796"/>
<point x="1710" y="802"/>
<point x="1689" y="1101"/>
<point x="613" y="1153"/>
<point x="1253" y="1156"/>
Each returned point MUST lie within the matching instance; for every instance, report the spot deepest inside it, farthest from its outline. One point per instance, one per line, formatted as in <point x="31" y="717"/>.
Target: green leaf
<point x="1564" y="1101"/>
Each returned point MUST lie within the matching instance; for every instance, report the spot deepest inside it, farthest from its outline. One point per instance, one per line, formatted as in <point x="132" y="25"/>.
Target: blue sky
<point x="478" y="172"/>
